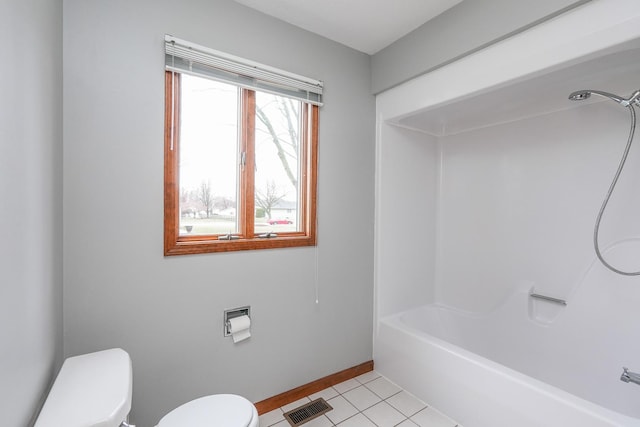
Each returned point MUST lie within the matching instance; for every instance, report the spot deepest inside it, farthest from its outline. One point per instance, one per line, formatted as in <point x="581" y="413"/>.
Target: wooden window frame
<point x="175" y="244"/>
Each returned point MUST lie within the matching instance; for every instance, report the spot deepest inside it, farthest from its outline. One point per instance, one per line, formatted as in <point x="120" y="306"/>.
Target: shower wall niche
<point x="489" y="179"/>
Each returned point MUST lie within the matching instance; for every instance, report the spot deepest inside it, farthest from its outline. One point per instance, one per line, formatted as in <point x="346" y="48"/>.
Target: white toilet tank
<point x="91" y="390"/>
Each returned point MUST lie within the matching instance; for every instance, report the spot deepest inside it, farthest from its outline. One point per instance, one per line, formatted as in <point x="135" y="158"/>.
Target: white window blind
<point x="185" y="57"/>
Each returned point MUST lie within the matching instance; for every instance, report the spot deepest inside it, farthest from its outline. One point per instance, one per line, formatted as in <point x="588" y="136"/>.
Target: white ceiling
<point x="365" y="25"/>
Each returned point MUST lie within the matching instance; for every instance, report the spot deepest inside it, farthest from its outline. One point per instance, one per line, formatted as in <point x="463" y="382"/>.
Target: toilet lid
<point x="226" y="410"/>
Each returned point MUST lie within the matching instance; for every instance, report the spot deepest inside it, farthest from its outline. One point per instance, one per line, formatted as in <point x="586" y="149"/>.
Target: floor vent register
<point x="307" y="412"/>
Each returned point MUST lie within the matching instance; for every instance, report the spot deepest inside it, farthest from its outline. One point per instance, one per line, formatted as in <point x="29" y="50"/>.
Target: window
<point x="240" y="155"/>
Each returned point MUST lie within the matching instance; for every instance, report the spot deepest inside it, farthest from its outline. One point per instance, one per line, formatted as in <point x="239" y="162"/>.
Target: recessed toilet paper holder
<point x="231" y="314"/>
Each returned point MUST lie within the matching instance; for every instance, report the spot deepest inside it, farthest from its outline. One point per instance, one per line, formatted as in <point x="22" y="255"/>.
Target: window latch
<point x="228" y="236"/>
<point x="243" y="158"/>
<point x="268" y="235"/>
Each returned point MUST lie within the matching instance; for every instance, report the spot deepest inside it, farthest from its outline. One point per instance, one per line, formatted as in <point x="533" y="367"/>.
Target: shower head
<point x="581" y="95"/>
<point x="585" y="94"/>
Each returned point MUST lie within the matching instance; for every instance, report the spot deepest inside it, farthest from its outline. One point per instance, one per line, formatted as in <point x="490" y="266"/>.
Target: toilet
<point x="94" y="390"/>
<point x="215" y="410"/>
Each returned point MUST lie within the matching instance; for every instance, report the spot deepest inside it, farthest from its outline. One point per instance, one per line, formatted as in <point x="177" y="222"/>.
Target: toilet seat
<point x="228" y="410"/>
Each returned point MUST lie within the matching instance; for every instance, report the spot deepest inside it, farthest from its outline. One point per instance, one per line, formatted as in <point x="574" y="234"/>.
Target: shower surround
<point x="489" y="181"/>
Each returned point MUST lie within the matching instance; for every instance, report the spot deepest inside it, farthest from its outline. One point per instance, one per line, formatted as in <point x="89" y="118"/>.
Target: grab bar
<point x="548" y="298"/>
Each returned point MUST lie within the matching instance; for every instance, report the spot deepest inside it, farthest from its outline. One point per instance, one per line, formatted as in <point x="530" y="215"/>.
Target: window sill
<point x="194" y="246"/>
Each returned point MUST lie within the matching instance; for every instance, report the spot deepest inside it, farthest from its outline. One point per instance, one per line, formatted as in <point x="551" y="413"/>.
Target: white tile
<point x="383" y="387"/>
<point x="321" y="421"/>
<point x="357" y="421"/>
<point x="342" y="409"/>
<point x="369" y="400"/>
<point x="362" y="398"/>
<point x="326" y="394"/>
<point x="406" y="403"/>
<point x="384" y="415"/>
<point x="369" y="376"/>
<point x="271" y="418"/>
<point x="429" y="417"/>
<point x="347" y="385"/>
<point x="293" y="405"/>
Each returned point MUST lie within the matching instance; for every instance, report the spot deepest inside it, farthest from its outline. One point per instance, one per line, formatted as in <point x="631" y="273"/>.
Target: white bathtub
<point x="422" y="350"/>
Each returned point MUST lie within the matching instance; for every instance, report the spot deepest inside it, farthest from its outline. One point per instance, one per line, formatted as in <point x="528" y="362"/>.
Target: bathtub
<point x="487" y="371"/>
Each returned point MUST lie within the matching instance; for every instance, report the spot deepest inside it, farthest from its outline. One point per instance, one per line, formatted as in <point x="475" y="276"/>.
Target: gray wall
<point x="167" y="312"/>
<point x="31" y="213"/>
<point x="463" y="29"/>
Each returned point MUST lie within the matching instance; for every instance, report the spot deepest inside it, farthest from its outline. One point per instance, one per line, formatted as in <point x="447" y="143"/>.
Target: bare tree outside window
<point x="278" y="129"/>
<point x="269" y="196"/>
<point x="286" y="144"/>
<point x="205" y="196"/>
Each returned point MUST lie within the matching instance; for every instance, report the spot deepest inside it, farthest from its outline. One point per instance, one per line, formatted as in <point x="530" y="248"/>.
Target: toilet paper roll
<point x="240" y="328"/>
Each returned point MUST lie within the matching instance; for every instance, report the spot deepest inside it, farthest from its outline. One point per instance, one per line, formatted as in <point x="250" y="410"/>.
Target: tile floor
<point x="369" y="400"/>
